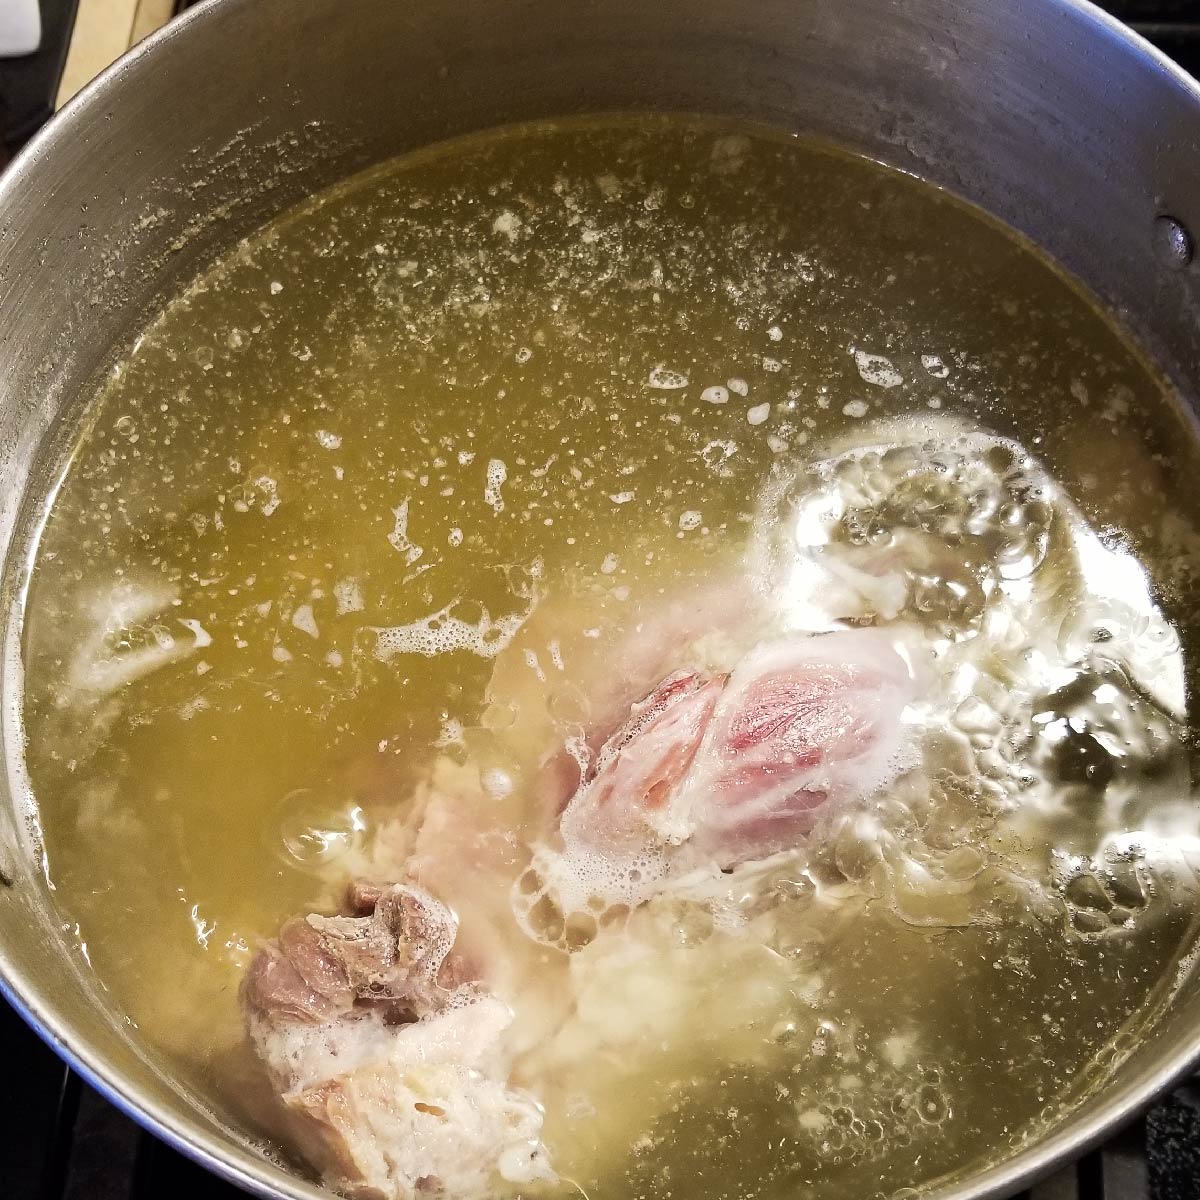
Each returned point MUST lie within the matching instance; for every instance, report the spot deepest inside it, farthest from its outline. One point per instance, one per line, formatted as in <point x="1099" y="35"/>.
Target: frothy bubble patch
<point x="270" y="490"/>
<point x="877" y="370"/>
<point x="716" y="455"/>
<point x="348" y="596"/>
<point x="441" y="632"/>
<point x="399" y="538"/>
<point x="565" y="896"/>
<point x="497" y="473"/>
<point x="667" y="380"/>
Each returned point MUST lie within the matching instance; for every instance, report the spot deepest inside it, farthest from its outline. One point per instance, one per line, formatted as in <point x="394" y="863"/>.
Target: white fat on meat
<point x="403" y="1111"/>
<point x="305" y="1056"/>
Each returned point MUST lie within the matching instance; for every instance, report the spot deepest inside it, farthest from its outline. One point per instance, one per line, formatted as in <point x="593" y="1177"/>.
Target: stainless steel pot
<point x="1044" y="112"/>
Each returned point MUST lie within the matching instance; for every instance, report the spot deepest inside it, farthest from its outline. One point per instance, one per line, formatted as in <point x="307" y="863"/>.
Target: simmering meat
<point x="800" y="723"/>
<point x="388" y="1064"/>
<point x="320" y="967"/>
<point x="640" y="766"/>
<point x="381" y="1037"/>
<point x="732" y="768"/>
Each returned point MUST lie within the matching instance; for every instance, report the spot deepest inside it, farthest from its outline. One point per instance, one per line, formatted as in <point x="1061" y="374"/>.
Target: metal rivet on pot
<point x="1172" y="242"/>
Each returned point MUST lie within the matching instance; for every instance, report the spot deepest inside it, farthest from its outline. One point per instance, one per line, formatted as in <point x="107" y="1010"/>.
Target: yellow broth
<point x="482" y="376"/>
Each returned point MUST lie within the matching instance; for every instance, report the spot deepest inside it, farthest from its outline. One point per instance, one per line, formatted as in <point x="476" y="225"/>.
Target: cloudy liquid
<point x="555" y="368"/>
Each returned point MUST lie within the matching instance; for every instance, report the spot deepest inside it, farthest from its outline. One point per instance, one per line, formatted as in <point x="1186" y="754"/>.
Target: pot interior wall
<point x="1037" y="110"/>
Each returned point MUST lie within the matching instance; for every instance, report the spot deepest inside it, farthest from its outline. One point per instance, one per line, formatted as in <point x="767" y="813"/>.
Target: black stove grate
<point x="60" y="1140"/>
<point x="1172" y="25"/>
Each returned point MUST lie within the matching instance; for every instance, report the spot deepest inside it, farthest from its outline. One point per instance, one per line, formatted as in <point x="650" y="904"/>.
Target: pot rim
<point x="35" y="1005"/>
<point x="240" y="1165"/>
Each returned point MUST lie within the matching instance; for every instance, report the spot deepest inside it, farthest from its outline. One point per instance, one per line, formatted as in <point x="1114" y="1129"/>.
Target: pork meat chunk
<point x="391" y="1068"/>
<point x="644" y="761"/>
<point x="737" y="767"/>
<point x="800" y="723"/>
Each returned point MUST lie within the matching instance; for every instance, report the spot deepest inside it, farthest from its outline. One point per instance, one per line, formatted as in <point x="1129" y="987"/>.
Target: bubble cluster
<point x="564" y="897"/>
<point x="314" y="831"/>
<point x="462" y="624"/>
<point x="870" y="1109"/>
<point x="1105" y="895"/>
<point x="955" y="519"/>
<point x="1050" y="672"/>
<point x="442" y="633"/>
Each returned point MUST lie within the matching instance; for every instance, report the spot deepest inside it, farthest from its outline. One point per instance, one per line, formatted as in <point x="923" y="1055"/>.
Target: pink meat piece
<point x="626" y="661"/>
<point x="641" y="764"/>
<point x="397" y="956"/>
<point x="739" y="766"/>
<point x="800" y="723"/>
<point x="389" y="1065"/>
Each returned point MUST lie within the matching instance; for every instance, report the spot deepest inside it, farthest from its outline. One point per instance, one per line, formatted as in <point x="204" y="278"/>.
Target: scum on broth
<point x="537" y="366"/>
